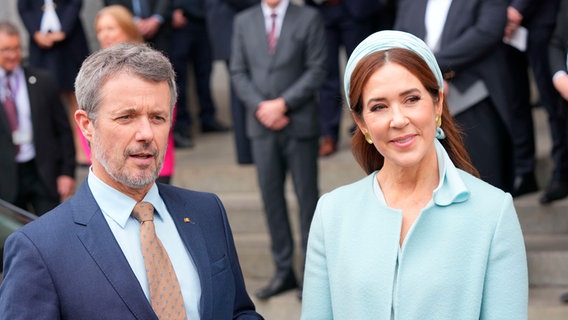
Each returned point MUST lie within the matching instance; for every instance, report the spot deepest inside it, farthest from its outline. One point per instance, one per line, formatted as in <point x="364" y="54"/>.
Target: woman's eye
<point x="377" y="107"/>
<point x="412" y="99"/>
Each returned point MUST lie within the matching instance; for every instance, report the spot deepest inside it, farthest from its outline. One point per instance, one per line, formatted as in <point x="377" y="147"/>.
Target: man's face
<point x="272" y="3"/>
<point x="10" y="52"/>
<point x="129" y="136"/>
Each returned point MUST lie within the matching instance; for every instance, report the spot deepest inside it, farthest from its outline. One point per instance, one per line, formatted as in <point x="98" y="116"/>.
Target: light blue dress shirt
<point x="117" y="207"/>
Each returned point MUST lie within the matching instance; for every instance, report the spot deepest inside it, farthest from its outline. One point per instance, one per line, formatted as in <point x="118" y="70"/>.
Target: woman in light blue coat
<point x="421" y="237"/>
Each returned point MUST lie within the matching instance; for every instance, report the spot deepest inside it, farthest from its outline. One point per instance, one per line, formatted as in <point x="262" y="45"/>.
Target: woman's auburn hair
<point x="366" y="154"/>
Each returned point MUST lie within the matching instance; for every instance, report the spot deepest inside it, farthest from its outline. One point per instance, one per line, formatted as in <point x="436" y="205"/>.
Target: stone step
<point x="547" y="256"/>
<point x="545" y="304"/>
<point x="536" y="218"/>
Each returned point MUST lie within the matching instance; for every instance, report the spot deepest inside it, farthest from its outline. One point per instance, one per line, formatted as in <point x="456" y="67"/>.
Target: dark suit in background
<point x="558" y="51"/>
<point x="219" y="16"/>
<point x="347" y="23"/>
<point x="539" y="18"/>
<point x="64" y="59"/>
<point x="293" y="73"/>
<point x="53" y="143"/>
<point x="190" y="44"/>
<point x="471" y="52"/>
<point x="161" y="8"/>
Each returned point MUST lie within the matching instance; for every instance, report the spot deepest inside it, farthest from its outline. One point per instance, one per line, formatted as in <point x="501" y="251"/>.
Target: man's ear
<point x="85" y="124"/>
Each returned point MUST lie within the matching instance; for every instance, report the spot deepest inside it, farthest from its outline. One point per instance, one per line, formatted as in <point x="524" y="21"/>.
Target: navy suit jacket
<point x="558" y="47"/>
<point x="219" y="16"/>
<point x="65" y="58"/>
<point x="161" y="40"/>
<point x="358" y="9"/>
<point x="68" y="265"/>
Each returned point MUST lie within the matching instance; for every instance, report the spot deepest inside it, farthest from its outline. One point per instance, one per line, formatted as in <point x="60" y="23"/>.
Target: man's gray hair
<point x="8" y="28"/>
<point x="135" y="59"/>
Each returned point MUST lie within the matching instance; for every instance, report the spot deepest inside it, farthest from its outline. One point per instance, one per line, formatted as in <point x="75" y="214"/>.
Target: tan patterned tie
<point x="165" y="292"/>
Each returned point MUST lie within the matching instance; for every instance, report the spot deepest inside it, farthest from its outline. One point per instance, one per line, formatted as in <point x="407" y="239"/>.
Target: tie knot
<point x="273" y="15"/>
<point x="143" y="211"/>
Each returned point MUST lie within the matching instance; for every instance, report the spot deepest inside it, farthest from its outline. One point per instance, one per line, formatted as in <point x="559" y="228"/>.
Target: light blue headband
<point x="389" y="39"/>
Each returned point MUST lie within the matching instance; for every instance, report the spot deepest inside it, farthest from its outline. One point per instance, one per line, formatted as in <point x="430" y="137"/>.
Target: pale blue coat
<point x="464" y="257"/>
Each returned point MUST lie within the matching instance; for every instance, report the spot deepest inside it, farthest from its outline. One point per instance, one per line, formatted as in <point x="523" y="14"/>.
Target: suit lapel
<point x="456" y="7"/>
<point x="287" y="28"/>
<point x="97" y="238"/>
<point x="183" y="213"/>
<point x="258" y="32"/>
<point x="34" y="93"/>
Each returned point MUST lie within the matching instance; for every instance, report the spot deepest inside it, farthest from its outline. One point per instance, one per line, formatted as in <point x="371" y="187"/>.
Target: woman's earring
<point x="440" y="134"/>
<point x="368" y="138"/>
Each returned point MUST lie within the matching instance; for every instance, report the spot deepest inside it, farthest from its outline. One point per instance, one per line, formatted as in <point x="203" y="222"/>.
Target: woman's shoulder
<point x="363" y="184"/>
<point x="348" y="196"/>
<point x="486" y="198"/>
<point x="479" y="187"/>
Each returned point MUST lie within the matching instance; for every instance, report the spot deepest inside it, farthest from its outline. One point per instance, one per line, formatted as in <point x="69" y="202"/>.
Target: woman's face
<point x="400" y="116"/>
<point x="109" y="32"/>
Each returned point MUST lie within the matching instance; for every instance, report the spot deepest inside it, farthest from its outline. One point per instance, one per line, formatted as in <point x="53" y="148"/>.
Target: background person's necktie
<point x="272" y="38"/>
<point x="165" y="292"/>
<point x="10" y="104"/>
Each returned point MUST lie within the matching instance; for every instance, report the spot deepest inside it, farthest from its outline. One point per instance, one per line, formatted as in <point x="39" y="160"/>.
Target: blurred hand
<point x="65" y="187"/>
<point x="43" y="40"/>
<point x="148" y="27"/>
<point x="514" y="19"/>
<point x="178" y="19"/>
<point x="272" y="114"/>
<point x="561" y="85"/>
<point x="57" y="36"/>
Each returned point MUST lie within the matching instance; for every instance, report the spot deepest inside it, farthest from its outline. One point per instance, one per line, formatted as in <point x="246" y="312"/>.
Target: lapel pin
<point x="186" y="220"/>
<point x="32" y="80"/>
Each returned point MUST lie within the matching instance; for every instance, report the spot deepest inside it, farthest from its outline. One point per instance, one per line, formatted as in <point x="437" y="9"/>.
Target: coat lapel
<point x="183" y="214"/>
<point x="97" y="238"/>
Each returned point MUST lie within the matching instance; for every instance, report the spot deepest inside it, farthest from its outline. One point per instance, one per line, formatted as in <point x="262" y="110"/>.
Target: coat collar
<point x="451" y="188"/>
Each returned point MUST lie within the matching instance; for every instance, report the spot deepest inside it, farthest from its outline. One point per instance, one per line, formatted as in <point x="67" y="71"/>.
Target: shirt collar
<point x="119" y="206"/>
<point x="17" y="70"/>
<point x="280" y="9"/>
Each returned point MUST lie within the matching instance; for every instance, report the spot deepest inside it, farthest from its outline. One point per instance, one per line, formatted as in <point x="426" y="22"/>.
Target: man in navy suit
<point x="37" y="160"/>
<point x="84" y="260"/>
